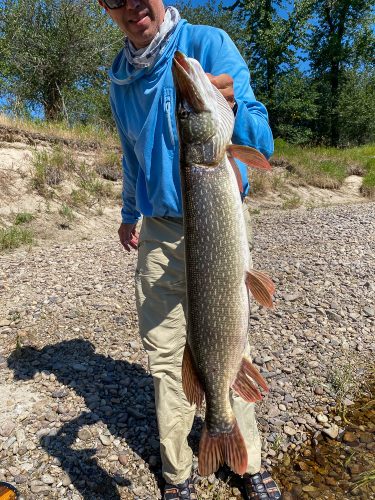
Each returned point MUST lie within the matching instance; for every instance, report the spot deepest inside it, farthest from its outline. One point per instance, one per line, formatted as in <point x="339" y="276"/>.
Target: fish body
<point x="217" y="267"/>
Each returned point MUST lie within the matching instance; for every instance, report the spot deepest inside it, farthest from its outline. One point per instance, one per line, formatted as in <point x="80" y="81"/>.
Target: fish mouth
<point x="187" y="83"/>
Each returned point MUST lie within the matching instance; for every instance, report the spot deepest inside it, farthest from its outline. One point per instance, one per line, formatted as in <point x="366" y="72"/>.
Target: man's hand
<point x="224" y="83"/>
<point x="128" y="236"/>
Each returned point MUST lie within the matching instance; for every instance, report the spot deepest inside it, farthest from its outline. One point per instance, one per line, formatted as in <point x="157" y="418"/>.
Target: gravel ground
<point x="77" y="416"/>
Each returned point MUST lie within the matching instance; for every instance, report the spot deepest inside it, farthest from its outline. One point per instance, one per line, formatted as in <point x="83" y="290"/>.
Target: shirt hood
<point x="124" y="73"/>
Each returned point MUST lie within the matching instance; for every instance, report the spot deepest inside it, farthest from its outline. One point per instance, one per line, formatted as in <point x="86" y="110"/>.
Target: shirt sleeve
<point x="130" y="167"/>
<point x="251" y="127"/>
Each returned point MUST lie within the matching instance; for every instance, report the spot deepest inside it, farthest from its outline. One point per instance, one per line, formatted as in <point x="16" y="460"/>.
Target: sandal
<point x="260" y="486"/>
<point x="183" y="491"/>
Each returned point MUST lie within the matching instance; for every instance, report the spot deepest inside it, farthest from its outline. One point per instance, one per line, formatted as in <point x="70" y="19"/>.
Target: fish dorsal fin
<point x="261" y="287"/>
<point x="250" y="156"/>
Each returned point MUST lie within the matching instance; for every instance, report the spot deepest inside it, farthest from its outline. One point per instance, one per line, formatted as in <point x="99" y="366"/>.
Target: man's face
<point x="138" y="19"/>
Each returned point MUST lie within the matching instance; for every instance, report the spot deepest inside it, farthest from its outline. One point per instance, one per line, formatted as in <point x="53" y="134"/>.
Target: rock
<point x="85" y="434"/>
<point x="123" y="458"/>
<point x="331" y="481"/>
<point x="39" y="487"/>
<point x="273" y="412"/>
<point x="211" y="478"/>
<point x="355" y="469"/>
<point x="289" y="430"/>
<point x="322" y="419"/>
<point x="153" y="460"/>
<point x="291" y="297"/>
<point x="349" y="437"/>
<point x="47" y="479"/>
<point x="319" y="390"/>
<point x="105" y="440"/>
<point x="7" y="428"/>
<point x="369" y="311"/>
<point x="332" y="431"/>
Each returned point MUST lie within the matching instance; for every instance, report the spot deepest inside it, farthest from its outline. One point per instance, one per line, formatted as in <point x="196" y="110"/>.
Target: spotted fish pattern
<point x="217" y="265"/>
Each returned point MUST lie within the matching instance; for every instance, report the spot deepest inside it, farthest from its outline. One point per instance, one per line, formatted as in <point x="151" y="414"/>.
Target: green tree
<point x="296" y="111"/>
<point x="53" y="49"/>
<point x="356" y="109"/>
<point x="274" y="30"/>
<point x="214" y="14"/>
<point x="342" y="38"/>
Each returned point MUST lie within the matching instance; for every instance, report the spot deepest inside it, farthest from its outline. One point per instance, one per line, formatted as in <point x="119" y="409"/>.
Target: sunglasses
<point x="114" y="4"/>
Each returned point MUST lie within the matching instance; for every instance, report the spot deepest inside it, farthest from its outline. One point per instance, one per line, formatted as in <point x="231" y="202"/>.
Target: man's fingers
<point x="134" y="243"/>
<point x="224" y="83"/>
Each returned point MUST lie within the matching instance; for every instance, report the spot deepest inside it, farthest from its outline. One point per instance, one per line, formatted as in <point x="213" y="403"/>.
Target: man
<point x="143" y="105"/>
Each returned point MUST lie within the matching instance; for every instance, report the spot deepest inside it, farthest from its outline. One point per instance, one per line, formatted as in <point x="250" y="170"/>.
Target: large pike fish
<point x="217" y="265"/>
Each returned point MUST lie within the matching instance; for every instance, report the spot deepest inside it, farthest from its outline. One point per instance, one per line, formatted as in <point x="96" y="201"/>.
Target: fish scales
<point x="217" y="295"/>
<point x="217" y="266"/>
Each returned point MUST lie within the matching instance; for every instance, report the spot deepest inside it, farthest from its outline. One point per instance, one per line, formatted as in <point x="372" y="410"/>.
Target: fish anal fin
<point x="190" y="382"/>
<point x="252" y="157"/>
<point x="261" y="287"/>
<point x="214" y="450"/>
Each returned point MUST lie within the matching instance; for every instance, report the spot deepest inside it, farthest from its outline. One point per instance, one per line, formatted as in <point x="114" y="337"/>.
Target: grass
<point x="364" y="479"/>
<point x="109" y="166"/>
<point x="90" y="134"/>
<point x="14" y="237"/>
<point x="345" y="383"/>
<point x="260" y="182"/>
<point x="49" y="168"/>
<point x="67" y="213"/>
<point x="23" y="218"/>
<point x="368" y="184"/>
<point x="325" y="167"/>
<point x="92" y="185"/>
<point x="291" y="202"/>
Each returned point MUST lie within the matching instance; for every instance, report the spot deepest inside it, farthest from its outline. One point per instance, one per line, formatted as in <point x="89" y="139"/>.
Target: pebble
<point x="87" y="377"/>
<point x="322" y="418"/>
<point x="105" y="439"/>
<point x="332" y="431"/>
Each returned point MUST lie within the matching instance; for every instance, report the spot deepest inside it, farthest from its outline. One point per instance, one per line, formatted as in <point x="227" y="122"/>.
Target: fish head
<point x="204" y="118"/>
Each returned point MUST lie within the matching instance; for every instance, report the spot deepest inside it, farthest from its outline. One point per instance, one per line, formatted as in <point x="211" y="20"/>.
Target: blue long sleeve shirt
<point x="143" y="105"/>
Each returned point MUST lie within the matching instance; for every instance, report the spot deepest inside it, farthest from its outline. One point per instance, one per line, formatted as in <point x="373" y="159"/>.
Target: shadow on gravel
<point x="118" y="393"/>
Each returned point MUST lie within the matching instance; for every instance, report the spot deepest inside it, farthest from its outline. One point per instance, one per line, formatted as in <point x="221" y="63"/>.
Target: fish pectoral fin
<point x="261" y="287"/>
<point x="243" y="384"/>
<point x="237" y="173"/>
<point x="252" y="157"/>
<point x="214" y="450"/>
<point x="190" y="382"/>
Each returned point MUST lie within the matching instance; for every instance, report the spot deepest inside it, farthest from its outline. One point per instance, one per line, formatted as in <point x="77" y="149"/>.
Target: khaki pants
<point x="161" y="304"/>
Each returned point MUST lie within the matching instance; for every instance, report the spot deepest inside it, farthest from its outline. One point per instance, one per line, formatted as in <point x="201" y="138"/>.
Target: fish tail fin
<point x="244" y="386"/>
<point x="261" y="287"/>
<point x="190" y="382"/>
<point x="225" y="447"/>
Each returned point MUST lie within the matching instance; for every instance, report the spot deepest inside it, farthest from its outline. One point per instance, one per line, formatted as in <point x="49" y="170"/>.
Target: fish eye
<point x="183" y="113"/>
